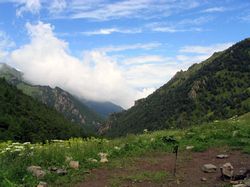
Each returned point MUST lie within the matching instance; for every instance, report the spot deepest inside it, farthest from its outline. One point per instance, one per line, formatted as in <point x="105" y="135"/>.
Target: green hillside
<point x="217" y="88"/>
<point x="24" y="119"/>
<point x="73" y="109"/>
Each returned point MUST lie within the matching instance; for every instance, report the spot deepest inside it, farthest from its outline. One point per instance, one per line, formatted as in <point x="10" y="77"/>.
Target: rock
<point x="203" y="179"/>
<point x="247" y="182"/>
<point x="240" y="185"/>
<point x="221" y="156"/>
<point x="61" y="172"/>
<point x="189" y="147"/>
<point x="42" y="184"/>
<point x="209" y="168"/>
<point x="74" y="164"/>
<point x="103" y="157"/>
<point x="52" y="168"/>
<point x="227" y="170"/>
<point x="36" y="171"/>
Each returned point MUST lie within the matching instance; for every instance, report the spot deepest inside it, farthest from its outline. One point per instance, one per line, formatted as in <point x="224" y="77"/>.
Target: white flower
<point x="117" y="148"/>
<point x="26" y="143"/>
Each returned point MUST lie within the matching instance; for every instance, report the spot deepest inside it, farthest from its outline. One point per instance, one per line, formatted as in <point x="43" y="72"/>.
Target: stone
<point x="221" y="156"/>
<point x="209" y="168"/>
<point x="203" y="179"/>
<point x="189" y="147"/>
<point x="42" y="184"/>
<point x="74" y="164"/>
<point x="36" y="171"/>
<point x="52" y="168"/>
<point x="228" y="170"/>
<point x="61" y="172"/>
<point x="103" y="157"/>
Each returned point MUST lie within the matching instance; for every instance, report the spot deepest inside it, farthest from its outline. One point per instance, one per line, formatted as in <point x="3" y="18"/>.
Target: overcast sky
<point x="117" y="51"/>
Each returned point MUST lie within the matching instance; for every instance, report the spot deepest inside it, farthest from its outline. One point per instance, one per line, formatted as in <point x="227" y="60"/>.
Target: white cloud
<point x="47" y="61"/>
<point x="144" y="46"/>
<point x="32" y="6"/>
<point x="174" y="30"/>
<point x="145" y="59"/>
<point x="5" y="44"/>
<point x="209" y="50"/>
<point x="57" y="6"/>
<point x="214" y="9"/>
<point x="107" y="31"/>
<point x="107" y="10"/>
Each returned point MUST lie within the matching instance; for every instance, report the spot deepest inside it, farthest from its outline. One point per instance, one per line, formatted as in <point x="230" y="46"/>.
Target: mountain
<point x="217" y="88"/>
<point x="103" y="108"/>
<point x="22" y="118"/>
<point x="62" y="101"/>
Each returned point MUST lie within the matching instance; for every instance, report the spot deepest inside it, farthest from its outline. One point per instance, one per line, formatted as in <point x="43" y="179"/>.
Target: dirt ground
<point x="188" y="174"/>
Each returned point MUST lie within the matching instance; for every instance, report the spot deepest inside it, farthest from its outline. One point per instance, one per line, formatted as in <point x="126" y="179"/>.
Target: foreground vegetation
<point x="16" y="157"/>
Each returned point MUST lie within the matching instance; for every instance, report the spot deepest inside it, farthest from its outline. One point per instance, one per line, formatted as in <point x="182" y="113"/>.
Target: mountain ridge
<point x="217" y="88"/>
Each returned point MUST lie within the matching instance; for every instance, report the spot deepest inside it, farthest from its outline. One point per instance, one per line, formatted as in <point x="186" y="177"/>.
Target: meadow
<point x="16" y="157"/>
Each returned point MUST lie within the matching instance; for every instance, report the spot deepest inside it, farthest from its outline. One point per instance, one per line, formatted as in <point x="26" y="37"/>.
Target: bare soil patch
<point x="189" y="173"/>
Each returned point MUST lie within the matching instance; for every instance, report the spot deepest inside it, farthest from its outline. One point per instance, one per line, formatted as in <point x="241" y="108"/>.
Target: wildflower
<point x="145" y="130"/>
<point x="26" y="143"/>
<point x="152" y="139"/>
<point x="117" y="148"/>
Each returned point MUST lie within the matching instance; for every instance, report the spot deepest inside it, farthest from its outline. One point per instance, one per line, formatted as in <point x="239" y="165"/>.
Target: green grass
<point x="15" y="158"/>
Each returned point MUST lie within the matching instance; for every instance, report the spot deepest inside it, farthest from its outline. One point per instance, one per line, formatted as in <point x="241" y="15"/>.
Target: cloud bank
<point x="46" y="60"/>
<point x="99" y="75"/>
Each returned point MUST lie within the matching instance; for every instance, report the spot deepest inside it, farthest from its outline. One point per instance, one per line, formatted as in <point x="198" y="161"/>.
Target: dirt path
<point x="156" y="169"/>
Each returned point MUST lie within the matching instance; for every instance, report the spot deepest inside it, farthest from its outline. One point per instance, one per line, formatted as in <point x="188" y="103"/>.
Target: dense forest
<point x="24" y="119"/>
<point x="217" y="88"/>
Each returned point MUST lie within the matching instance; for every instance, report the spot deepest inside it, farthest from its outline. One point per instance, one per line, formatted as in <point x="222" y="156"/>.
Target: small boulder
<point x="103" y="157"/>
<point x="53" y="168"/>
<point x="209" y="168"/>
<point x="203" y="179"/>
<point x="42" y="184"/>
<point x="228" y="170"/>
<point x="74" y="164"/>
<point x="36" y="171"/>
<point x="221" y="156"/>
<point x="61" y="172"/>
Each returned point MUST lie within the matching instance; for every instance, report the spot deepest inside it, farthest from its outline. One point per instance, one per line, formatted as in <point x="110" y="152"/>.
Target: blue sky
<point x="115" y="50"/>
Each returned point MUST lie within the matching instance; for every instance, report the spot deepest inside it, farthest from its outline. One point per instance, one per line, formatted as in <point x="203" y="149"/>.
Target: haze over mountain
<point x="71" y="107"/>
<point x="217" y="88"/>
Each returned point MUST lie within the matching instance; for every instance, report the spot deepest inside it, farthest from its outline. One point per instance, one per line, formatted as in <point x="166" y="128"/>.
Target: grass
<point x="16" y="157"/>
